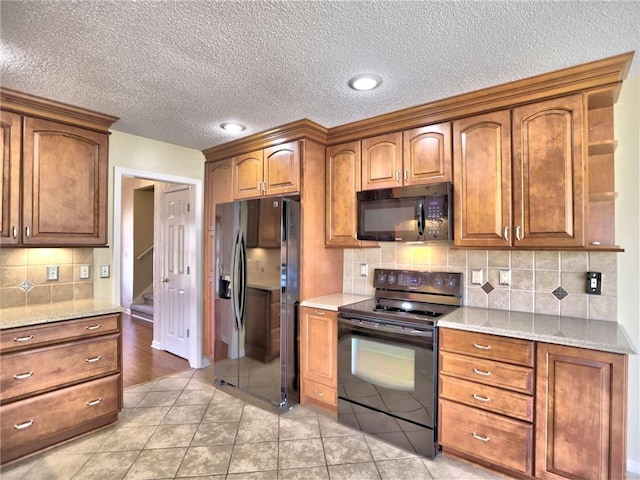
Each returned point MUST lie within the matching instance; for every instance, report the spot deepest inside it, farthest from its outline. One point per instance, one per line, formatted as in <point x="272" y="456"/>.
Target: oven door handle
<point x="381" y="327"/>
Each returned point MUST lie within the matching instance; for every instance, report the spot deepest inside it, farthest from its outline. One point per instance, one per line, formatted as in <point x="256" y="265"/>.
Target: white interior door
<point x="175" y="305"/>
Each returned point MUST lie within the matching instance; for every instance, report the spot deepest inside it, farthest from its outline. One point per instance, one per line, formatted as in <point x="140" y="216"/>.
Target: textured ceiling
<point x="174" y="70"/>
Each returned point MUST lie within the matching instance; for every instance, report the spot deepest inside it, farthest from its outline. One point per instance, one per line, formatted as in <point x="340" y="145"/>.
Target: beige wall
<point x="142" y="154"/>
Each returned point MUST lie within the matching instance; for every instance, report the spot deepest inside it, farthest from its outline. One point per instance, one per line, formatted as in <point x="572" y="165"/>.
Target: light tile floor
<point x="181" y="426"/>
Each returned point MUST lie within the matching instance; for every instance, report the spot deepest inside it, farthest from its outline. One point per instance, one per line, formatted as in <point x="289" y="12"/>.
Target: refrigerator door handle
<point x="242" y="293"/>
<point x="234" y="280"/>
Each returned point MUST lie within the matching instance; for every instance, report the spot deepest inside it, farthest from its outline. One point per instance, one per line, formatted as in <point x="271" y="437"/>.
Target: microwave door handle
<point x="420" y="218"/>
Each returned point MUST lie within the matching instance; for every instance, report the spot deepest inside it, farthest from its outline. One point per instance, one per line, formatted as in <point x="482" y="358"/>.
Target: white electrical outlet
<point x="476" y="277"/>
<point x="364" y="269"/>
<point x="53" y="272"/>
<point x="505" y="277"/>
<point x="104" y="271"/>
<point x="84" y="272"/>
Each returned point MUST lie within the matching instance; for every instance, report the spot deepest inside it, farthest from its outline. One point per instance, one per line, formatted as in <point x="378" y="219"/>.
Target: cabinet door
<point x="382" y="161"/>
<point x="10" y="171"/>
<point x="342" y="182"/>
<point x="282" y="169"/>
<point x="64" y="184"/>
<point x="319" y="334"/>
<point x="270" y="223"/>
<point x="247" y="175"/>
<point x="218" y="188"/>
<point x="482" y="180"/>
<point x="548" y="174"/>
<point x="581" y="398"/>
<point x="427" y="154"/>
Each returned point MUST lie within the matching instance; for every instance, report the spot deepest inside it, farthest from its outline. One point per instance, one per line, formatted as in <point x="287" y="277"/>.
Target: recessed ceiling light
<point x="365" y="82"/>
<point x="232" y="127"/>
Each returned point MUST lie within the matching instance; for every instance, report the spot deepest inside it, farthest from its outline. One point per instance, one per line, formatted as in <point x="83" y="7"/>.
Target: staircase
<point x="144" y="311"/>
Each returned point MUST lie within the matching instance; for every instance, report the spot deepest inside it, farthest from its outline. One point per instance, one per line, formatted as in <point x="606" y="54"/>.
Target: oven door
<point x="387" y="382"/>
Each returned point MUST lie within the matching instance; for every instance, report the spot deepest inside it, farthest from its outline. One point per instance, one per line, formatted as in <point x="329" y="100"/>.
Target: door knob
<point x="165" y="280"/>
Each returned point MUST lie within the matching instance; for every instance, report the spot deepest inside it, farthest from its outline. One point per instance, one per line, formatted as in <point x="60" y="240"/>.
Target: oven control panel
<point x="415" y="281"/>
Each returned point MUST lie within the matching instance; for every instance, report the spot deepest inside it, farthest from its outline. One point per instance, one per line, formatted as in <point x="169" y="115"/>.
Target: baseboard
<point x="633" y="466"/>
<point x="155" y="344"/>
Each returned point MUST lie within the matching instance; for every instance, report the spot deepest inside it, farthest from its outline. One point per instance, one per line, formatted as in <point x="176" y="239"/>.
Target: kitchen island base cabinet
<point x="580" y="413"/>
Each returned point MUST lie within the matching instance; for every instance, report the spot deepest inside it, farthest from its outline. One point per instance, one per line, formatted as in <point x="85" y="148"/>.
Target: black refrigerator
<point x="257" y="251"/>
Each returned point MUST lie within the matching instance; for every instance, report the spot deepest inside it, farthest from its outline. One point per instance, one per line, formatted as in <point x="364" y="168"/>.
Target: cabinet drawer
<point x="488" y="372"/>
<point x="499" y="440"/>
<point x="27" y="337"/>
<point x="492" y="347"/>
<point x="50" y="367"/>
<point x="45" y="415"/>
<point x="505" y="402"/>
<point x="319" y="392"/>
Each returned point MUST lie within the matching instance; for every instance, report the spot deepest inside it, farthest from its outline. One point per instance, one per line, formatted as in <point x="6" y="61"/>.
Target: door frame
<point x="196" y="358"/>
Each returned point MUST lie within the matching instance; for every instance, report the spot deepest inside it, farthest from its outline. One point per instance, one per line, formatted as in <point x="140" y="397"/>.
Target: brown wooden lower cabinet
<point x="581" y="398"/>
<point x="58" y="380"/>
<point x="572" y="425"/>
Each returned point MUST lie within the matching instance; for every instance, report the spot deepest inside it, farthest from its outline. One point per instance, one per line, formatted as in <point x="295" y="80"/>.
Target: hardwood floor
<point x="140" y="362"/>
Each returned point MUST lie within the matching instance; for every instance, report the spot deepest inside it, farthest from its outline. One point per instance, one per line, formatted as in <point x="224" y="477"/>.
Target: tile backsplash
<point x="23" y="275"/>
<point x="550" y="282"/>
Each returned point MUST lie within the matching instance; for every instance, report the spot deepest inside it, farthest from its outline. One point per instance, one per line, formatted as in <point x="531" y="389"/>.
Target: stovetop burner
<point x="408" y="297"/>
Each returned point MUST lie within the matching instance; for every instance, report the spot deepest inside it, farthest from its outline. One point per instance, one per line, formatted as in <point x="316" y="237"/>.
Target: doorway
<point x="123" y="256"/>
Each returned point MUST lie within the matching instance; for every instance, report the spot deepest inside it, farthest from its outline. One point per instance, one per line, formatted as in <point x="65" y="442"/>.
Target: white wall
<point x="142" y="154"/>
<point x="627" y="132"/>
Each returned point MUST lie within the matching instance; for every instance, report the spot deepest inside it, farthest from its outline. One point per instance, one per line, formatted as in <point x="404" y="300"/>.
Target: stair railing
<point x="148" y="250"/>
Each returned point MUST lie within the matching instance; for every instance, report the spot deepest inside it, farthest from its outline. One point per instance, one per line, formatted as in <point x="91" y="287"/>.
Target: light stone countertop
<point x="13" y="317"/>
<point x="332" y="302"/>
<point x="574" y="332"/>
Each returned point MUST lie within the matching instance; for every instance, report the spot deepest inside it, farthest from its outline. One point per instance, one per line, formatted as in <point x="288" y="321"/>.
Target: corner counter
<point x="332" y="302"/>
<point x="600" y="335"/>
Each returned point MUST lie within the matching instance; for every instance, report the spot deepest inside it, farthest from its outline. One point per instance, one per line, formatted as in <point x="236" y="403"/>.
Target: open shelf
<point x="605" y="147"/>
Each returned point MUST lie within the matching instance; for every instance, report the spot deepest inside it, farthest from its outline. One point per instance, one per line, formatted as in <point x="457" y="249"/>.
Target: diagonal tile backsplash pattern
<point x="181" y="426"/>
<point x="548" y="282"/>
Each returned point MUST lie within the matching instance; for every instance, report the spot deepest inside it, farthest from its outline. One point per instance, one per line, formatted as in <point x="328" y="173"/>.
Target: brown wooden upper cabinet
<point x="62" y="186"/>
<point x="272" y="171"/>
<point x="343" y="166"/>
<point x="218" y="188"/>
<point x="531" y="196"/>
<point x="414" y="157"/>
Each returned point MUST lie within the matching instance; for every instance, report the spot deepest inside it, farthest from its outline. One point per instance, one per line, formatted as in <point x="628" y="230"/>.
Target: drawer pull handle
<point x="94" y="359"/>
<point x="477" y="436"/>
<point x="480" y="372"/>
<point x="482" y="347"/>
<point x="23" y="339"/>
<point x="93" y="403"/>
<point x="481" y="398"/>
<point x="93" y="327"/>
<point x="22" y="376"/>
<point x="22" y="426"/>
<point x="318" y="312"/>
<point x="320" y="394"/>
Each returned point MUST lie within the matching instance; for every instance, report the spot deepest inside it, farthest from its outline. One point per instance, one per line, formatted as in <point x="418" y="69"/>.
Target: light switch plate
<point x="53" y="272"/>
<point x="84" y="272"/>
<point x="104" y="271"/>
<point x="476" y="277"/>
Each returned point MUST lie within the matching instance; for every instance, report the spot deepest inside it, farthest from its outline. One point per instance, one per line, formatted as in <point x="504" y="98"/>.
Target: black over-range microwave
<point x="406" y="214"/>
